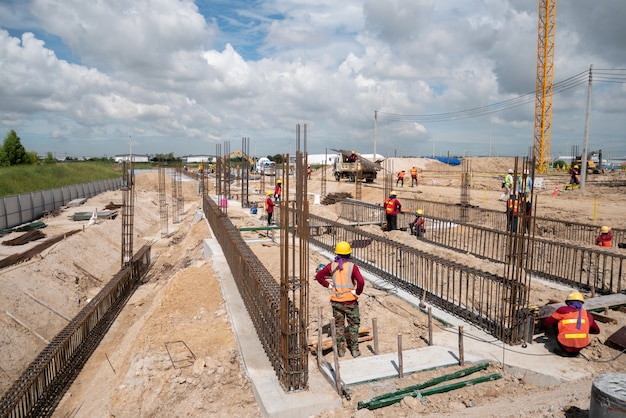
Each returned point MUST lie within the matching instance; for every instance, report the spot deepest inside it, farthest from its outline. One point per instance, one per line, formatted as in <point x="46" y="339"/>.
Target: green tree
<point x="49" y="158"/>
<point x="14" y="150"/>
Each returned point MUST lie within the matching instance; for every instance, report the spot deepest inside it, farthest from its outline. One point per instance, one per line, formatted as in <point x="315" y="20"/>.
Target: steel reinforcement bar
<point x="495" y="304"/>
<point x="571" y="264"/>
<point x="40" y="388"/>
<point x="259" y="290"/>
<point x="545" y="227"/>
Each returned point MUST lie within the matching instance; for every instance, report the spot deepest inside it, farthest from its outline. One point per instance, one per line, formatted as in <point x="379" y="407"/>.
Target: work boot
<point x="341" y="352"/>
<point x="356" y="352"/>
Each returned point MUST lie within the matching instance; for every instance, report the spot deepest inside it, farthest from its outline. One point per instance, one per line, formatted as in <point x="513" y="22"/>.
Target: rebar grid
<point x="258" y="288"/>
<point x="128" y="211"/>
<point x="492" y="302"/>
<point x="38" y="391"/>
<point x="571" y="264"/>
<point x="162" y="200"/>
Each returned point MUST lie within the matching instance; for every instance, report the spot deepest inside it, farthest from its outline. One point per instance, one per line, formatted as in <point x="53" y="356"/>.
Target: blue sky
<point x="87" y="79"/>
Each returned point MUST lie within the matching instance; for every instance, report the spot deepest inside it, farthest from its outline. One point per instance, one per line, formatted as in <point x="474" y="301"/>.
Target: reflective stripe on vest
<point x="569" y="336"/>
<point x="342" y="283"/>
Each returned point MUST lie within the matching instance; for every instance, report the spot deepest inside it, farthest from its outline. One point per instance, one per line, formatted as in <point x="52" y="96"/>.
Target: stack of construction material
<point x="32" y="235"/>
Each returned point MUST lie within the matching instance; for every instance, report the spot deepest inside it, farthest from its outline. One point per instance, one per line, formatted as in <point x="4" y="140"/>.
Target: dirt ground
<point x="172" y="353"/>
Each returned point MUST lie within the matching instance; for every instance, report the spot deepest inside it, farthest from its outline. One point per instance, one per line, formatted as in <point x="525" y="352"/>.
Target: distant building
<point x="137" y="158"/>
<point x="188" y="159"/>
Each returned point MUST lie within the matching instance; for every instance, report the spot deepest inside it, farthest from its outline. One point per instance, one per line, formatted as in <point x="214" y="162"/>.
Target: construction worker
<point x="413" y="176"/>
<point x="392" y="208"/>
<point x="346" y="284"/>
<point x="418" y="226"/>
<point x="278" y="190"/>
<point x="269" y="206"/>
<point x="507" y="184"/>
<point x="308" y="173"/>
<point x="574" y="175"/>
<point x="572" y="324"/>
<point x="512" y="213"/>
<point x="352" y="158"/>
<point x="400" y="178"/>
<point x="525" y="186"/>
<point x="605" y="239"/>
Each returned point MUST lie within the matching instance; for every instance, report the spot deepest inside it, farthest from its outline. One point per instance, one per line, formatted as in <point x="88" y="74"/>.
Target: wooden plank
<point x="599" y="303"/>
<point x="603" y="318"/>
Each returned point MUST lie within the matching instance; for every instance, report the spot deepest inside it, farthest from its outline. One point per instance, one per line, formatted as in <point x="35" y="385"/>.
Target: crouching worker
<point x="345" y="282"/>
<point x="418" y="226"/>
<point x="605" y="239"/>
<point x="573" y="324"/>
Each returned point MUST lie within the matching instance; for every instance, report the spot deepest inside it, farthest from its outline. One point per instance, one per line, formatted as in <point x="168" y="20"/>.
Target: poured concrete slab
<point x="385" y="366"/>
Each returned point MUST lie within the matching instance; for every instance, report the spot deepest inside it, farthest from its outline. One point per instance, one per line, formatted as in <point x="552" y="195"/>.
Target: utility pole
<point x="375" y="132"/>
<point x="583" y="159"/>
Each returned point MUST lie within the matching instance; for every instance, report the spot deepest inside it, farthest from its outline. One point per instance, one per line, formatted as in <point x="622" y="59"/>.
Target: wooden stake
<point x="375" y="328"/>
<point x="430" y="326"/>
<point x="461" y="353"/>
<point x="333" y="333"/>
<point x="400" y="360"/>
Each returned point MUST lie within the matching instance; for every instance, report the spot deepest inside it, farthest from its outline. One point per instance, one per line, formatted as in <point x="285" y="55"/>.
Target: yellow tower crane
<point x="544" y="83"/>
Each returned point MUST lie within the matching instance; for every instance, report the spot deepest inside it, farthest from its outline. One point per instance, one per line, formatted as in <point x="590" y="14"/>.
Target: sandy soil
<point x="171" y="352"/>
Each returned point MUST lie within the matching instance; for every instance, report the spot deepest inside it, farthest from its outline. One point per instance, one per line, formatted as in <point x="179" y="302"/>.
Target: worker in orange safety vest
<point x="392" y="208"/>
<point x="346" y="283"/>
<point x="413" y="176"/>
<point x="605" y="239"/>
<point x="573" y="325"/>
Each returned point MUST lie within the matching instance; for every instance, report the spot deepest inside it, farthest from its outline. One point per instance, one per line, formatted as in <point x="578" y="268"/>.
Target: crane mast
<point x="544" y="83"/>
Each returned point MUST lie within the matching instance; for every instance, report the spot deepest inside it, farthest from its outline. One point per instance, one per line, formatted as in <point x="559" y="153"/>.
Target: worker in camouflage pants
<point x="345" y="282"/>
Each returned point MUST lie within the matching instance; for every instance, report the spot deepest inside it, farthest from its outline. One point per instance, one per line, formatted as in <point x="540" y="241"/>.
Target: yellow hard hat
<point x="269" y="192"/>
<point x="343" y="248"/>
<point x="392" y="193"/>
<point x="419" y="212"/>
<point x="279" y="181"/>
<point x="576" y="296"/>
<point x="605" y="229"/>
<point x="576" y="166"/>
<point x="353" y="151"/>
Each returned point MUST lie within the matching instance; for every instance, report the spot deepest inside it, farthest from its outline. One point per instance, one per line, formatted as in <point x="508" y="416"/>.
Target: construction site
<point x="189" y="304"/>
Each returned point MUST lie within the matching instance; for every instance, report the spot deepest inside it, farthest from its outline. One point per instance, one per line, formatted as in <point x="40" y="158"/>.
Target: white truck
<point x="362" y="169"/>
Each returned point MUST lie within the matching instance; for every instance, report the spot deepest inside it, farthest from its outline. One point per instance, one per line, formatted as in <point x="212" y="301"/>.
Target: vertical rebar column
<point x="227" y="177"/>
<point x="466" y="173"/>
<point x="128" y="210"/>
<point x="324" y="174"/>
<point x="179" y="186"/>
<point x="218" y="171"/>
<point x="175" y="200"/>
<point x="358" y="186"/>
<point x="162" y="200"/>
<point x="245" y="173"/>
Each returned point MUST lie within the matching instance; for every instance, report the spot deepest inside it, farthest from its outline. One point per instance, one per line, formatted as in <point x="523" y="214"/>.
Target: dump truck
<point x="361" y="169"/>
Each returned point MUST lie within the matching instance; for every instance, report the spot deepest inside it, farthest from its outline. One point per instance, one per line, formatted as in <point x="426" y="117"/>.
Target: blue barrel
<point x="608" y="396"/>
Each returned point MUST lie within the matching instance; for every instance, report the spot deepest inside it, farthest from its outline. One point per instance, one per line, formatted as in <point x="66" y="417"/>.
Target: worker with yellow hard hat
<point x="418" y="226"/>
<point x="572" y="325"/>
<point x="269" y="206"/>
<point x="278" y="190"/>
<point x="605" y="239"/>
<point x="392" y="208"/>
<point x="346" y="283"/>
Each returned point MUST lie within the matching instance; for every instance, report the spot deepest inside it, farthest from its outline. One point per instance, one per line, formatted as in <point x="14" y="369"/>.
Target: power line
<point x="582" y="78"/>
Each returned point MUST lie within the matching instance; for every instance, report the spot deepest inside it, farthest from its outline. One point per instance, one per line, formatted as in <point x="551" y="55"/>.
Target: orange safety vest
<point x="278" y="190"/>
<point x="569" y="336"/>
<point x="401" y="175"/>
<point x="414" y="172"/>
<point x="390" y="206"/>
<point x="341" y="290"/>
<point x="512" y="204"/>
<point x="269" y="205"/>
